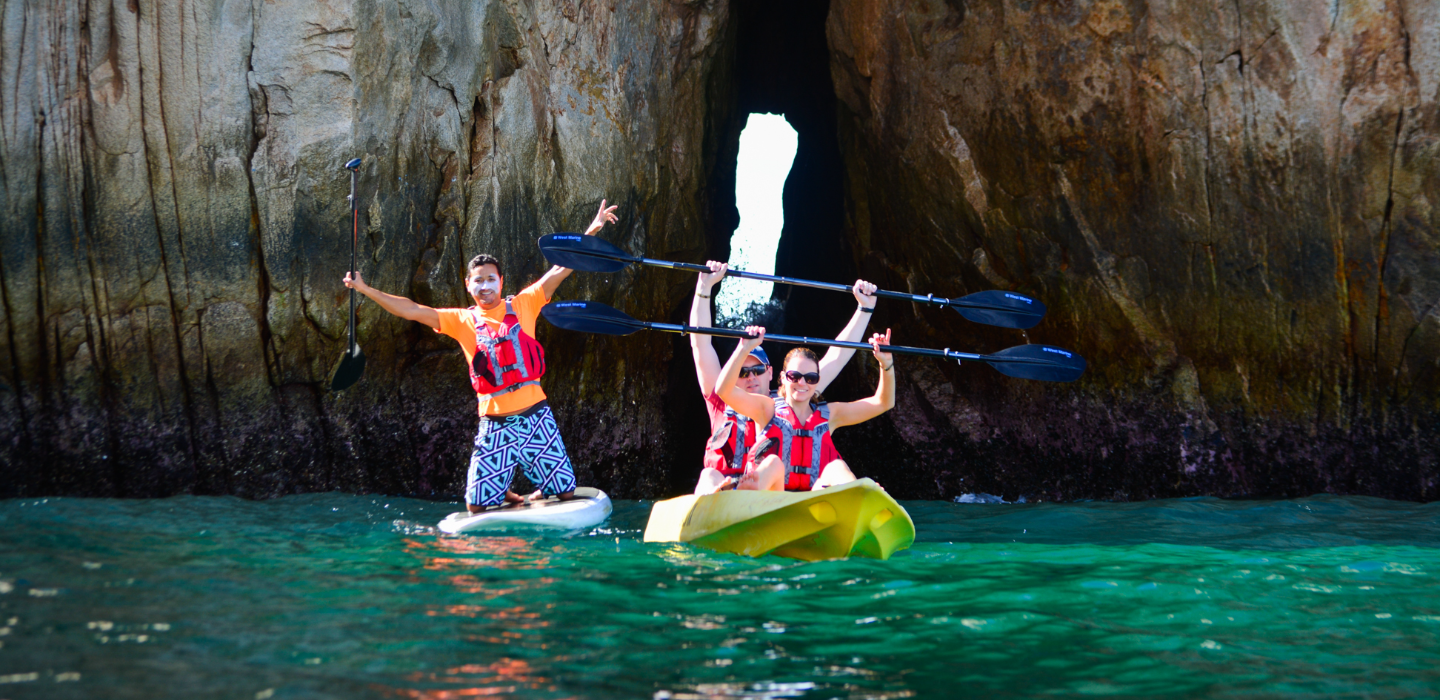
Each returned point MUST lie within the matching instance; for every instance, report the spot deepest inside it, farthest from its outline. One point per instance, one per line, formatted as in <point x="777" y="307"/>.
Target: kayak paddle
<point x="352" y="365"/>
<point x="1042" y="362"/>
<point x="593" y="254"/>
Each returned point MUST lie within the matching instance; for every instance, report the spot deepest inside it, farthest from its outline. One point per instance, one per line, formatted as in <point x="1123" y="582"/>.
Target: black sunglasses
<point x="752" y="371"/>
<point x="809" y="377"/>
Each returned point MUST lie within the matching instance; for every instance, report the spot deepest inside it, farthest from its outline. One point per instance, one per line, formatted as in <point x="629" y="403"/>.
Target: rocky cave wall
<point x="176" y="227"/>
<point x="1228" y="207"/>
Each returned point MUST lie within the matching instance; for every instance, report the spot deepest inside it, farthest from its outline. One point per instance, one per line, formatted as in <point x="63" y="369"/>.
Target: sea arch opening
<point x="767" y="150"/>
<point x="779" y="66"/>
<point x="782" y="67"/>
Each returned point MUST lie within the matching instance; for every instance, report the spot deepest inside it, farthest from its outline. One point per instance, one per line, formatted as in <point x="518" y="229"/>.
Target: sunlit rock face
<point x="1228" y="207"/>
<point x="176" y="226"/>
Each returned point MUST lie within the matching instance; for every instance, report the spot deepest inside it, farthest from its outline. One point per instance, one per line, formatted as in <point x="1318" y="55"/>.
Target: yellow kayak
<point x="857" y="518"/>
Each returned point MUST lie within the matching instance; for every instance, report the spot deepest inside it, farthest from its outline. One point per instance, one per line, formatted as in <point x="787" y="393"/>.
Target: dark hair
<point x="486" y="259"/>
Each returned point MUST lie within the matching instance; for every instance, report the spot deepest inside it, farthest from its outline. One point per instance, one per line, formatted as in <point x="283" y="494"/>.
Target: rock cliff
<point x="1227" y="208"/>
<point x="176" y="227"/>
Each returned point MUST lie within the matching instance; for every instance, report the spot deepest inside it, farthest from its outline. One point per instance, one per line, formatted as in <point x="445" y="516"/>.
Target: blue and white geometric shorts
<point x="529" y="439"/>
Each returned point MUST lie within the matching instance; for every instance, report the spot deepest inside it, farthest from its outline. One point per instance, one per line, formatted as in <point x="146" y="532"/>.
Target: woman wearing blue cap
<point x="732" y="435"/>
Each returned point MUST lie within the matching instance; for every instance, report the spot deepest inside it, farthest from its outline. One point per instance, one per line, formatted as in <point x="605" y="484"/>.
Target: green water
<point x="337" y="596"/>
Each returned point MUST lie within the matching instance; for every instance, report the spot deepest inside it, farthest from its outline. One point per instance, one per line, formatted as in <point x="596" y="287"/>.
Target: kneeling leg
<point x="711" y="481"/>
<point x="835" y="473"/>
<point x="769" y="475"/>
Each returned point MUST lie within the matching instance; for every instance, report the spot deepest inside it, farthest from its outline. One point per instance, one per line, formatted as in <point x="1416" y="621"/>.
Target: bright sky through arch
<point x="767" y="149"/>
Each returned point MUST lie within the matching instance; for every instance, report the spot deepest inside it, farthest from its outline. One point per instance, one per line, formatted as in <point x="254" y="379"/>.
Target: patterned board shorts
<point x="529" y="439"/>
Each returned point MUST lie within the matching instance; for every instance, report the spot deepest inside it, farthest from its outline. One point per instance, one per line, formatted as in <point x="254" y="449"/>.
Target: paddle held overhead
<point x="593" y="254"/>
<point x="1041" y="362"/>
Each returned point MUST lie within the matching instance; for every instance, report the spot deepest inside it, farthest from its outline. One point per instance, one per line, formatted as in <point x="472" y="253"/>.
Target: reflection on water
<point x="503" y="677"/>
<point x="351" y="597"/>
<point x="502" y="552"/>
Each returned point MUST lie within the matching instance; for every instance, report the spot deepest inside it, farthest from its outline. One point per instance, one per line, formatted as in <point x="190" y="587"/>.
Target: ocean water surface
<point x="342" y="596"/>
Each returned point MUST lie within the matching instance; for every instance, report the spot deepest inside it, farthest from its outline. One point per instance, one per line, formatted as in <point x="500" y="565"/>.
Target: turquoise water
<point x="339" y="596"/>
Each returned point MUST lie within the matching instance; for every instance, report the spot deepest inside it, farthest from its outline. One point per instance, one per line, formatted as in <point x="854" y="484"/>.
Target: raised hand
<point x="757" y="337"/>
<point x="864" y="293"/>
<point x="717" y="271"/>
<point x="356" y="282"/>
<point x="602" y="217"/>
<point x="885" y="359"/>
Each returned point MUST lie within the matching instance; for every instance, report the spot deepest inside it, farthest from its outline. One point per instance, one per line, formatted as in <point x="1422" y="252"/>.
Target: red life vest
<point x="804" y="449"/>
<point x="732" y="440"/>
<point x="506" y="358"/>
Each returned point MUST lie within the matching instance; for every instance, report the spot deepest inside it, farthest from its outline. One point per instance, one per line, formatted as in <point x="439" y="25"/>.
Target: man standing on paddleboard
<point x="732" y="434"/>
<point x="498" y="338"/>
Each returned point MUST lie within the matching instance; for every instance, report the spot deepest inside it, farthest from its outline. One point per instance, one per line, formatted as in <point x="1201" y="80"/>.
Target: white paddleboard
<point x="589" y="508"/>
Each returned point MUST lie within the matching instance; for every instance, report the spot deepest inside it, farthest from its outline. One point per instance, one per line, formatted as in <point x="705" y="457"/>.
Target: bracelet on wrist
<point x="887" y="369"/>
<point x="866" y="309"/>
<point x="702" y="296"/>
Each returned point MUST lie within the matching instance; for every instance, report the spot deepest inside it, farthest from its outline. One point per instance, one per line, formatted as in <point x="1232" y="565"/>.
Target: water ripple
<point x="333" y="595"/>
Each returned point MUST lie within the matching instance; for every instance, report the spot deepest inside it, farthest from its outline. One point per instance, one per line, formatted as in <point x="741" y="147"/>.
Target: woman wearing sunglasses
<point x="732" y="435"/>
<point x="796" y="452"/>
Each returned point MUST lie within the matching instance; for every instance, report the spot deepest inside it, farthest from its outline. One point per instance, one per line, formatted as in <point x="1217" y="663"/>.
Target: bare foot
<point x="540" y="496"/>
<point x="749" y="482"/>
<point x="707" y="489"/>
<point x="512" y="497"/>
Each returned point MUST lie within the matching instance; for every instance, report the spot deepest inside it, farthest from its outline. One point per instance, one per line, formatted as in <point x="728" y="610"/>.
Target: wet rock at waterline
<point x="1228" y="211"/>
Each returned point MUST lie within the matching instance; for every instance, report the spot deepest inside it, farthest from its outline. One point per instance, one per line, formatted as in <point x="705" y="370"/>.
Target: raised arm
<point x="835" y="359"/>
<point x="852" y="412"/>
<point x="552" y="278"/>
<point x="707" y="363"/>
<point x="400" y="306"/>
<point x="753" y="406"/>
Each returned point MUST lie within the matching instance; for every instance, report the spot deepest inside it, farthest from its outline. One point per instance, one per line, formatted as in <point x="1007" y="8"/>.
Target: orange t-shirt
<point x="460" y="325"/>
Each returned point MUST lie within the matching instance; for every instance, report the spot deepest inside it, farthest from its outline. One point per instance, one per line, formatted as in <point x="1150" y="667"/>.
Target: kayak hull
<point x="854" y="519"/>
<point x="589" y="508"/>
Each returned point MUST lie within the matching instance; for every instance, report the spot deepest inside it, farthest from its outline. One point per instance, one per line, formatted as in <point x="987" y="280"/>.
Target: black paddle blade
<point x="1043" y="362"/>
<point x="583" y="253"/>
<point x="352" y="365"/>
<point x="590" y="317"/>
<point x="997" y="308"/>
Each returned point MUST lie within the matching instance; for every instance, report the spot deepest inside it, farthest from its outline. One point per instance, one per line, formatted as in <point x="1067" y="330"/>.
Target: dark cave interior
<point x="781" y="65"/>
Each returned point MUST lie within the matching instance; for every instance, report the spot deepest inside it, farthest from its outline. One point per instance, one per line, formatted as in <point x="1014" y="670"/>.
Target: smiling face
<point x="800" y="391"/>
<point x="757" y="384"/>
<point x="484" y="284"/>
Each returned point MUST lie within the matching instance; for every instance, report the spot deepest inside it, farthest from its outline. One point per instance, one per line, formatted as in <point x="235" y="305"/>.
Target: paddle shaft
<point x="995" y="308"/>
<point x="805" y="340"/>
<point x="917" y="298"/>
<point x="354" y="243"/>
<point x="1041" y="362"/>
